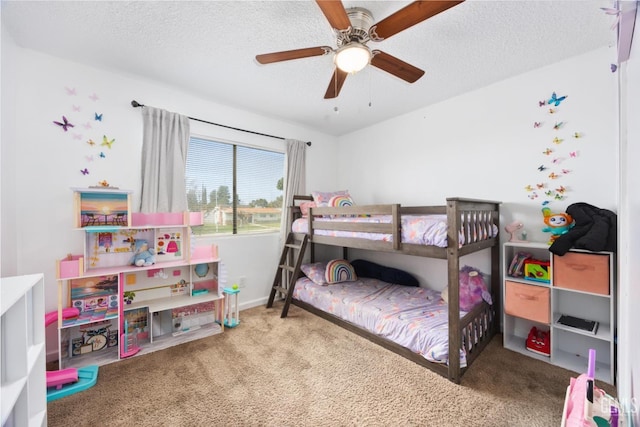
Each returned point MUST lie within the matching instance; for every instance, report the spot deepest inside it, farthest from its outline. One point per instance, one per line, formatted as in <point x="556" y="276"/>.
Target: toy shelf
<point x="182" y="275"/>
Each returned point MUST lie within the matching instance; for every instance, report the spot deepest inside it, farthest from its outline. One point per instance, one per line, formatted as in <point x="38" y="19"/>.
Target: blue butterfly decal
<point x="614" y="67"/>
<point x="84" y="171"/>
<point x="102" y="155"/>
<point x="64" y="124"/>
<point x="555" y="100"/>
<point x="98" y="117"/>
<point x="541" y="168"/>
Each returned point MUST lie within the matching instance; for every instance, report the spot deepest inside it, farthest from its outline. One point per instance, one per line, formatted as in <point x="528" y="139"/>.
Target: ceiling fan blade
<point x="335" y="13"/>
<point x="336" y="83"/>
<point x="408" y="16"/>
<point x="395" y="66"/>
<point x="286" y="55"/>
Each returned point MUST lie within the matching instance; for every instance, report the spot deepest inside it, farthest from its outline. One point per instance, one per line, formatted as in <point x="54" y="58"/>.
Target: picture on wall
<point x="103" y="209"/>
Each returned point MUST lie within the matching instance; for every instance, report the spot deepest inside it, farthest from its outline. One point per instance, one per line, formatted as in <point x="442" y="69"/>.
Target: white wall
<point x="629" y="270"/>
<point x="483" y="145"/>
<point x="41" y="162"/>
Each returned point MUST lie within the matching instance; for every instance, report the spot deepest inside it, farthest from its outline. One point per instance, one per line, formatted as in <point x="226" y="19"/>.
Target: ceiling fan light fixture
<point x="352" y="57"/>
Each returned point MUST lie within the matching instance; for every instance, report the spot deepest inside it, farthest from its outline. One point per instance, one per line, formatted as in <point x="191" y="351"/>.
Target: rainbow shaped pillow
<point x="339" y="270"/>
<point x="340" y="201"/>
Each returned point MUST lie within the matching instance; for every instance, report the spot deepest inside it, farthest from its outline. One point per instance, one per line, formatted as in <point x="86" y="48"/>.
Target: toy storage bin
<point x="585" y="272"/>
<point x="527" y="301"/>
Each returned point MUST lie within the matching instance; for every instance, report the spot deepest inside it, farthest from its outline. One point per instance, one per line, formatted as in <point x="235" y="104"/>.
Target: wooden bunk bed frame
<point x="474" y="217"/>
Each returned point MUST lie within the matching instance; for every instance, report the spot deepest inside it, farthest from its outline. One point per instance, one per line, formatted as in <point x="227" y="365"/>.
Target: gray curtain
<point x="294" y="182"/>
<point x="164" y="156"/>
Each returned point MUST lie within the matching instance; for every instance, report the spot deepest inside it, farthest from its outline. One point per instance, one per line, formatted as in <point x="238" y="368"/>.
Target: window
<point x="239" y="189"/>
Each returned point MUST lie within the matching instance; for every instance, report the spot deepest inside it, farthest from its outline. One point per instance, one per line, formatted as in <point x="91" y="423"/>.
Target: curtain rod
<point x="136" y="104"/>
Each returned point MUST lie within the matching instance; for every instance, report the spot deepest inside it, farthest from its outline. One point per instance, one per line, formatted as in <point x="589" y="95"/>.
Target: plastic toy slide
<point x="71" y="380"/>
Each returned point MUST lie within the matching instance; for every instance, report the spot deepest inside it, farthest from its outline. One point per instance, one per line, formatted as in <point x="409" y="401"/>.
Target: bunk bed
<point x="471" y="224"/>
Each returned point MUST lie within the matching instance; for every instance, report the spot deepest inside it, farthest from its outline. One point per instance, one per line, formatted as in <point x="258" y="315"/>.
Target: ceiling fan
<point x="354" y="28"/>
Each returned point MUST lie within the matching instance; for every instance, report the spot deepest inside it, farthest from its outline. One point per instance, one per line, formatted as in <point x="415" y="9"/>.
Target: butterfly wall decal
<point x="528" y="188"/>
<point x="559" y="197"/>
<point x="553" y="175"/>
<point x="77" y="136"/>
<point x="540" y="186"/>
<point x="561" y="189"/>
<point x="614" y="68"/>
<point x="89" y="158"/>
<point x="103" y="183"/>
<point x="542" y="168"/>
<point x="552" y="110"/>
<point x="75" y="108"/>
<point x="547" y="151"/>
<point x="84" y="171"/>
<point x="65" y="125"/>
<point x="533" y="195"/>
<point x="545" y="203"/>
<point x="70" y="90"/>
<point x="557" y="160"/>
<point x="557" y="140"/>
<point x="537" y="124"/>
<point x="542" y="103"/>
<point x="565" y="171"/>
<point x="102" y="155"/>
<point x="554" y="100"/>
<point x="105" y="141"/>
<point x="98" y="117"/>
<point x="91" y="142"/>
<point x="87" y="125"/>
<point x="577" y="135"/>
<point x="548" y="193"/>
<point x="93" y="97"/>
<point x="558" y="125"/>
<point x="573" y="154"/>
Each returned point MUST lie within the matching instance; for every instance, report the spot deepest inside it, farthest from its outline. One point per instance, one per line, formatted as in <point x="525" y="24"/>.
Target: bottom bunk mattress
<point x="413" y="317"/>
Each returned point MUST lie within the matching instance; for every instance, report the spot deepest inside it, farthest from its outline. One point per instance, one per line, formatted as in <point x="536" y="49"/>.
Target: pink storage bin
<point x="71" y="266"/>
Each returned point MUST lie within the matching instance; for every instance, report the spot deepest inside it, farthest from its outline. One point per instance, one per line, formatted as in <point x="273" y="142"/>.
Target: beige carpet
<point x="305" y="371"/>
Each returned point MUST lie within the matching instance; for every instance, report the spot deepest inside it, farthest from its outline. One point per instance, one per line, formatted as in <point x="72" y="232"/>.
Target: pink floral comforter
<point x="414" y="317"/>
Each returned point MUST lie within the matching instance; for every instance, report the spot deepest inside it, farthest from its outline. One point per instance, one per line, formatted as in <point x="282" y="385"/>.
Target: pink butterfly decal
<point x="77" y="136"/>
<point x="537" y="124"/>
<point x="75" y="107"/>
<point x="93" y="97"/>
<point x="557" y="160"/>
<point x="573" y="154"/>
<point x="84" y="171"/>
<point x="87" y="125"/>
<point x="64" y="124"/>
<point x="547" y="151"/>
<point x="71" y="91"/>
<point x="565" y="171"/>
<point x="89" y="158"/>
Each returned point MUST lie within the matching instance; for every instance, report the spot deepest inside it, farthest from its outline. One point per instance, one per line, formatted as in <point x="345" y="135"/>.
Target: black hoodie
<point x="595" y="229"/>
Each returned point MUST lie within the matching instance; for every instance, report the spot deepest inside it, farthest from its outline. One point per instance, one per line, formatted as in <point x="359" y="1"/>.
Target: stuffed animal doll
<point x="557" y="224"/>
<point x="144" y="256"/>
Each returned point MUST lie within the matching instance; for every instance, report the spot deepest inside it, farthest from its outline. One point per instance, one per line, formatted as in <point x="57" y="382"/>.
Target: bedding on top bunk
<point x="414" y="317"/>
<point x="429" y="230"/>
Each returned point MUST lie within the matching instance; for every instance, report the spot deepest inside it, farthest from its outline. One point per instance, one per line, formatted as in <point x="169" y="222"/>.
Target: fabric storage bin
<point x="581" y="271"/>
<point x="527" y="301"/>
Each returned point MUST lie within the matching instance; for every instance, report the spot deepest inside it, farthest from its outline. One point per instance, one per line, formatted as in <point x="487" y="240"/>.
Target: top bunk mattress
<point x="413" y="317"/>
<point x="427" y="230"/>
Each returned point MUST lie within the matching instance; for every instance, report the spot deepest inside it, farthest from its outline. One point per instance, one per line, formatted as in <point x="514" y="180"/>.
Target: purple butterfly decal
<point x="536" y="124"/>
<point x="542" y="103"/>
<point x="614" y="68"/>
<point x="84" y="171"/>
<point x="64" y="124"/>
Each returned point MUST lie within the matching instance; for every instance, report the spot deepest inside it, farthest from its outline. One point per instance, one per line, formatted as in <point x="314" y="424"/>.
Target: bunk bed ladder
<point x="288" y="270"/>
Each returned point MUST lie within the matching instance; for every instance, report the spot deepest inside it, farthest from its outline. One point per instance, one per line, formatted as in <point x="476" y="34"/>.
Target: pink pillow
<point x="304" y="207"/>
<point x="322" y="198"/>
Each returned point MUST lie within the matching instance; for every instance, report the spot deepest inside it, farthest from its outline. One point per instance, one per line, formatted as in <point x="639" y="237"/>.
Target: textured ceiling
<point x="209" y="47"/>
